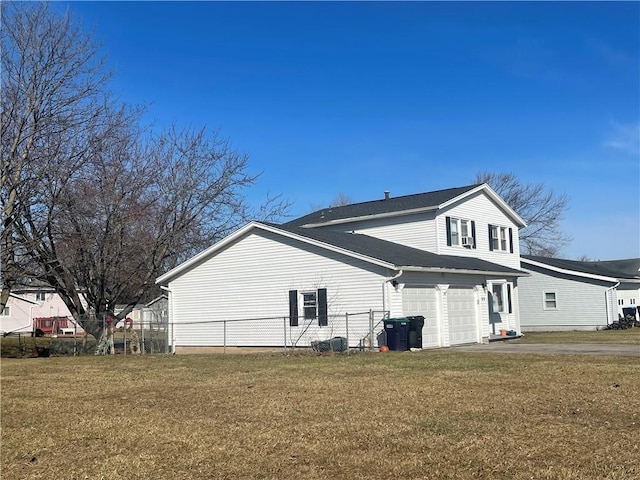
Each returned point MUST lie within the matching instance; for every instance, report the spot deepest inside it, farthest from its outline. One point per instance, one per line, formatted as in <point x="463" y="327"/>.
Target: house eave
<point x="463" y="271"/>
<point x="574" y="273"/>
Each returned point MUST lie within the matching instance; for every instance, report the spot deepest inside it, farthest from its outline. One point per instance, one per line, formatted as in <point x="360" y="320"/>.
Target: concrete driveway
<point x="554" y="348"/>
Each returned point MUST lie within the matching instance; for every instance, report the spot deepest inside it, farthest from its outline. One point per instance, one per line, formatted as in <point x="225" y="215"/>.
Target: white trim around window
<point x="550" y="300"/>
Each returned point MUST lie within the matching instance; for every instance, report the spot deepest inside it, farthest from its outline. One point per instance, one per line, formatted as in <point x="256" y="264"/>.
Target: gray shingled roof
<point x="378" y="207"/>
<point x="627" y="269"/>
<point x="394" y="253"/>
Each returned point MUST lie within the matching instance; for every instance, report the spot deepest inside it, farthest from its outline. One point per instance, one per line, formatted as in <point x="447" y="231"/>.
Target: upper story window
<point x="500" y="238"/>
<point x="40" y="296"/>
<point x="6" y="312"/>
<point x="461" y="232"/>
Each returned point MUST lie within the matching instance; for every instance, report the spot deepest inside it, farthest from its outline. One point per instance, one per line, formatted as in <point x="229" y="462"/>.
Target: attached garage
<point x="463" y="316"/>
<point x="423" y="301"/>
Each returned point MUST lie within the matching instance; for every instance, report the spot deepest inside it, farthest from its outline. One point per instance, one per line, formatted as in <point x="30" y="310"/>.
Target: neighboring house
<point x="574" y="295"/>
<point x="451" y="256"/>
<point x="27" y="303"/>
<point x="17" y="318"/>
<point x="152" y="315"/>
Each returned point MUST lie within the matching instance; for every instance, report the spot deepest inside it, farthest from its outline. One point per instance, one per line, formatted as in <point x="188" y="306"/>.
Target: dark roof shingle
<point x="378" y="207"/>
<point x="611" y="268"/>
<point x="395" y="253"/>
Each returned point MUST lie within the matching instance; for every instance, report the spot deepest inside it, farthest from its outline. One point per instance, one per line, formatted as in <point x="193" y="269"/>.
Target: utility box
<point x="397" y="330"/>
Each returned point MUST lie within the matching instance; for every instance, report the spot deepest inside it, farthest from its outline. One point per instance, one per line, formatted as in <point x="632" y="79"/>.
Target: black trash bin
<point x="397" y="330"/>
<point x="415" y="331"/>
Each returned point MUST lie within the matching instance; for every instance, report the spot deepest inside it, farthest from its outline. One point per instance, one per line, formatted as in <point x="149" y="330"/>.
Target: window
<point x="500" y="239"/>
<point x="498" y="297"/>
<point x="309" y="303"/>
<point x="314" y="305"/>
<point x="621" y="301"/>
<point x="40" y="296"/>
<point x="550" y="301"/>
<point x="6" y="312"/>
<point x="460" y="232"/>
<point x="632" y="301"/>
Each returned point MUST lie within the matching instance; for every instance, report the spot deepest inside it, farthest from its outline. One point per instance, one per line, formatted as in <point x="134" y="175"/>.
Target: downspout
<point x="385" y="300"/>
<point x="170" y="319"/>
<point x="609" y="305"/>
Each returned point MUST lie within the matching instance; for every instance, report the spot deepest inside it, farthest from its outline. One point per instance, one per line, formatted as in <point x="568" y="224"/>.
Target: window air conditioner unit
<point x="467" y="242"/>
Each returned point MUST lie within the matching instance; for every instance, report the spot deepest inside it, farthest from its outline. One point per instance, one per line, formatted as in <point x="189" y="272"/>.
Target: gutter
<point x="514" y="273"/>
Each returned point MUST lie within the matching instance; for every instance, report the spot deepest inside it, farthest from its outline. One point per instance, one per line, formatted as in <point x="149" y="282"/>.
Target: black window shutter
<point x="448" y="221"/>
<point x="490" y="237"/>
<point x="509" y="298"/>
<point x="293" y="308"/>
<point x="323" y="319"/>
<point x="511" y="240"/>
<point x="473" y="233"/>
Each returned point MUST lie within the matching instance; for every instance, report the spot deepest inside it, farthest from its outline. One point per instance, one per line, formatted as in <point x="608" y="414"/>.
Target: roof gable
<point x="396" y="206"/>
<point x="366" y="248"/>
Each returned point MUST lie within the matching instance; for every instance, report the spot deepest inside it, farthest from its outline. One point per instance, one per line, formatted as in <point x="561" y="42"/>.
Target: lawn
<point x="630" y="336"/>
<point x="433" y="414"/>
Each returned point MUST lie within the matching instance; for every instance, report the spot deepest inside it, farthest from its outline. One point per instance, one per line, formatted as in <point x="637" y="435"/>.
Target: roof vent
<point x="386" y="194"/>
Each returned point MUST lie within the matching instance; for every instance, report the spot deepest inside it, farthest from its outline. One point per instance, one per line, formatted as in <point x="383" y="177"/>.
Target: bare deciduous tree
<point x="94" y="203"/>
<point x="539" y="206"/>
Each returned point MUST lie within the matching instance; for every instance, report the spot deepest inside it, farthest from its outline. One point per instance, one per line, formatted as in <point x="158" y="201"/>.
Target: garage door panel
<point x="422" y="301"/>
<point x="463" y="316"/>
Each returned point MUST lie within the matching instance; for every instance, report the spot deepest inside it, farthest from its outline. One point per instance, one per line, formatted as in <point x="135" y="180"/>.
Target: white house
<point x="574" y="295"/>
<point x="451" y="256"/>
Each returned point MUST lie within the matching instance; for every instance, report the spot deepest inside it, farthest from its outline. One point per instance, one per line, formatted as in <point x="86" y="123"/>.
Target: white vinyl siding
<point x="484" y="212"/>
<point x="417" y="230"/>
<point x="581" y="304"/>
<point x="251" y="279"/>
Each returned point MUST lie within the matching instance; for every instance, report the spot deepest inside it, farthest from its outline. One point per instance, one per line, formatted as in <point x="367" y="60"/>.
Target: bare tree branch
<point x="542" y="209"/>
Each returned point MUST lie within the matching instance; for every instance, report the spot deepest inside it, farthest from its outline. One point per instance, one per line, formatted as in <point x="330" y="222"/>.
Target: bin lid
<point x="397" y="320"/>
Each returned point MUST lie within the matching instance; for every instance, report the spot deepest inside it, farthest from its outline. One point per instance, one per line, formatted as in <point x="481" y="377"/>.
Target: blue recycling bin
<point x="397" y="330"/>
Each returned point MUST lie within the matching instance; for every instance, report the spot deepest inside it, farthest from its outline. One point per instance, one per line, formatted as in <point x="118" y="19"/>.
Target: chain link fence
<point x="358" y="330"/>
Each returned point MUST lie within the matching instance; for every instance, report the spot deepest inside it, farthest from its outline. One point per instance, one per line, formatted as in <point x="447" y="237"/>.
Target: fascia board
<point x="165" y="278"/>
<point x="463" y="271"/>
<point x="569" y="272"/>
<point x="18" y="297"/>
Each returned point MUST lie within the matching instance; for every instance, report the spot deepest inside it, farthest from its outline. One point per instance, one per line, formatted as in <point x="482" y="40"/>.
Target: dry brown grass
<point x="433" y="414"/>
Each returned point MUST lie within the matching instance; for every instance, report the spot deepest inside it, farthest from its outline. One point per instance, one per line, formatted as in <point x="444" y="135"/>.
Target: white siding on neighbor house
<point x="416" y="230"/>
<point x="251" y="279"/>
<point x="581" y="302"/>
<point x="481" y="209"/>
<point x="628" y="299"/>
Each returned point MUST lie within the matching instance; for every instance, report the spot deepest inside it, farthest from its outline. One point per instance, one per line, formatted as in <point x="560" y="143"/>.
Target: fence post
<point x="284" y="323"/>
<point x="224" y="337"/>
<point x="346" y="324"/>
<point x="371" y="339"/>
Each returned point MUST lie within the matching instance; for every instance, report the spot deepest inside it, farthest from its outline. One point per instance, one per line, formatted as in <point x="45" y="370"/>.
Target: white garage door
<point x="463" y="316"/>
<point x="422" y="301"/>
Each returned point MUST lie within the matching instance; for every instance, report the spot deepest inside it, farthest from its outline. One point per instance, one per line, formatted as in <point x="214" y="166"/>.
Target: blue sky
<point x="362" y="97"/>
